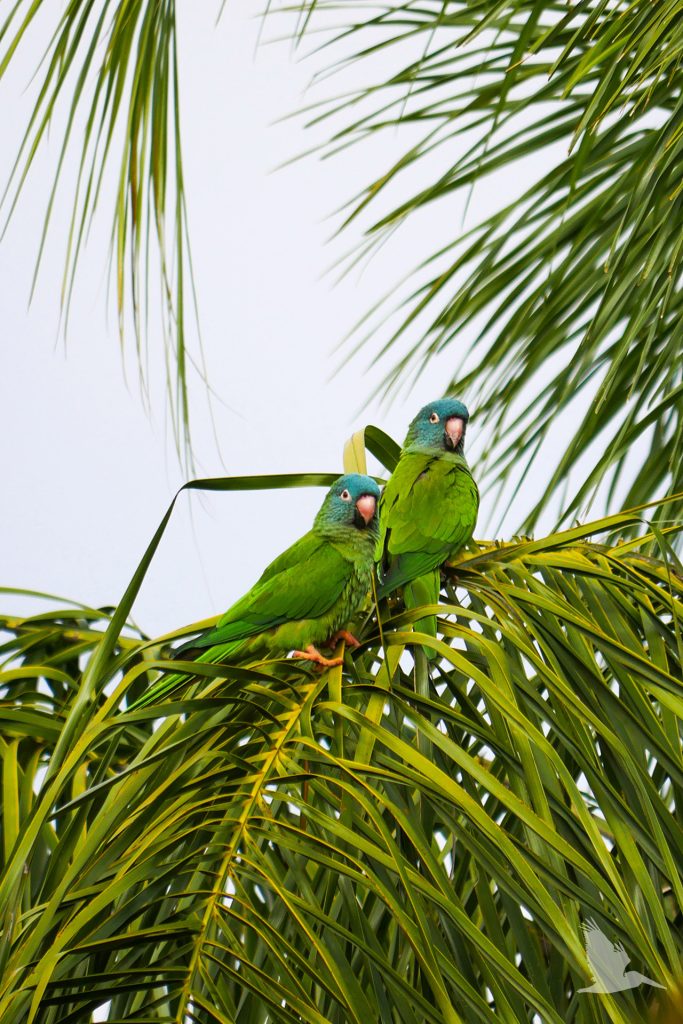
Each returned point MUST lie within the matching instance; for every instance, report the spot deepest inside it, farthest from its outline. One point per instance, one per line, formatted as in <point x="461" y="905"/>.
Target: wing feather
<point x="428" y="510"/>
<point x="302" y="583"/>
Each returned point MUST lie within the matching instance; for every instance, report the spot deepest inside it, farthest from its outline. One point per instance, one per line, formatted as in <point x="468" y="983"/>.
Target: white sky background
<point x="88" y="474"/>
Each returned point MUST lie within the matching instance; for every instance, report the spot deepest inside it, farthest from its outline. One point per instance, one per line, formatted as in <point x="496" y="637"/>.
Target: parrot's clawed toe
<point x="313" y="654"/>
<point x="343" y="634"/>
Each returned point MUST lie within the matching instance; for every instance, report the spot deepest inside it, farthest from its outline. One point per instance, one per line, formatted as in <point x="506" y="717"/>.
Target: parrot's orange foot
<point x="312" y="654"/>
<point x="343" y="634"/>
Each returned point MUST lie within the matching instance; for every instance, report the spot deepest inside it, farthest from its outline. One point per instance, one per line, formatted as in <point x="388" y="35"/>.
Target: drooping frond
<point x="369" y="843"/>
<point x="566" y="295"/>
<point x="563" y="300"/>
<point x="109" y="80"/>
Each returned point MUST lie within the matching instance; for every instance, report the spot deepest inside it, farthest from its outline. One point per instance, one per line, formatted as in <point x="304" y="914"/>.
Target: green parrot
<point x="428" y="509"/>
<point x="306" y="596"/>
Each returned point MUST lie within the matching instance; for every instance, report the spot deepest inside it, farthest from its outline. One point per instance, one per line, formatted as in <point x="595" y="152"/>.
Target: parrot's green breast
<point x="428" y="512"/>
<point x="298" y="635"/>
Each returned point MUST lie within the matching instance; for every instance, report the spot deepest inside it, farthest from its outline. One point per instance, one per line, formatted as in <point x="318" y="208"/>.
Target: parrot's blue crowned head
<point x="352" y="500"/>
<point x="441" y="425"/>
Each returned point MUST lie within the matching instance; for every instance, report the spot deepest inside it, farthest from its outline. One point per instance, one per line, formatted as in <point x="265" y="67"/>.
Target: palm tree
<point x="392" y="840"/>
<point x="570" y="287"/>
<point x="370" y="843"/>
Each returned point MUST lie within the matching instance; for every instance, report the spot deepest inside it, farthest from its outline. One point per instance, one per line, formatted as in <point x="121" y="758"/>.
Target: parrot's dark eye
<point x="345" y="496"/>
<point x="434" y="418"/>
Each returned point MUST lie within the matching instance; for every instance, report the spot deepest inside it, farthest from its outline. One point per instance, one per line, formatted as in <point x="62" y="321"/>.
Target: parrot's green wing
<point x="302" y="583"/>
<point x="428" y="510"/>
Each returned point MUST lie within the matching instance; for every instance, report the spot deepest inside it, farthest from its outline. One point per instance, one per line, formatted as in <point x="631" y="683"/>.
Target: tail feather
<point x="421" y="591"/>
<point x="168" y="684"/>
<point x="408" y="567"/>
<point x="163" y="687"/>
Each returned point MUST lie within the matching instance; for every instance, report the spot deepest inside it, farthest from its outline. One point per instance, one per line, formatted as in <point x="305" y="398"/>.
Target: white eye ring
<point x="434" y="418"/>
<point x="345" y="496"/>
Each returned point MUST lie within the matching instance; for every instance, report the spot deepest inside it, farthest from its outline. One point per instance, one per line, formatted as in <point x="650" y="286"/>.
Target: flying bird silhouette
<point x="608" y="962"/>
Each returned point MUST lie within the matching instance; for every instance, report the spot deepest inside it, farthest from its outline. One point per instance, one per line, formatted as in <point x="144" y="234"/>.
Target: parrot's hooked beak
<point x="366" y="506"/>
<point x="455" y="428"/>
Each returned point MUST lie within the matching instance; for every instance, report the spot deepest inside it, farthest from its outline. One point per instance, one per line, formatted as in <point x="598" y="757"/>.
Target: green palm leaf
<point x="110" y="71"/>
<point x="568" y="291"/>
<point x="274" y="845"/>
<point x="565" y="299"/>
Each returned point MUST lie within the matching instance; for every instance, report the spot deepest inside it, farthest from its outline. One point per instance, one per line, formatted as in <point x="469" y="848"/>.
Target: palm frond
<point x="390" y="840"/>
<point x="109" y="77"/>
<point x="568" y="291"/>
<point x="567" y="296"/>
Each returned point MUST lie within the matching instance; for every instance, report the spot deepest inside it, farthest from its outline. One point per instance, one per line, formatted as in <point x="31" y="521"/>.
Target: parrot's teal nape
<point x="306" y="597"/>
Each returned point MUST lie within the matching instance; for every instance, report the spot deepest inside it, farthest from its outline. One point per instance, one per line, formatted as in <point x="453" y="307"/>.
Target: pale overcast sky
<point x="88" y="474"/>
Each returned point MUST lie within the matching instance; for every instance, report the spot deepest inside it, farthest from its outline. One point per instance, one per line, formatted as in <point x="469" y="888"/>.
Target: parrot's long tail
<point x="168" y="683"/>
<point x="421" y="591"/>
<point x="163" y="687"/>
